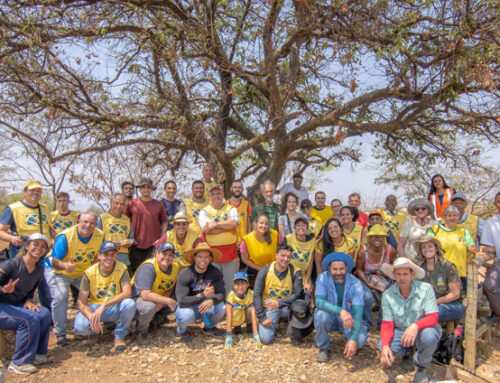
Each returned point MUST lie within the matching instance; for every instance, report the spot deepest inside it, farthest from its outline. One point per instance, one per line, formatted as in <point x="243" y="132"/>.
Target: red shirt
<point x="362" y="219"/>
<point x="147" y="218"/>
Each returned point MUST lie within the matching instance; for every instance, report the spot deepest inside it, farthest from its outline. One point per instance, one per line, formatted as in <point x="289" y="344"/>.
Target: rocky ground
<point x="166" y="359"/>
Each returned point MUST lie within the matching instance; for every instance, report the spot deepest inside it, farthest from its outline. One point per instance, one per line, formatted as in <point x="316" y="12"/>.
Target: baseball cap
<point x="107" y="246"/>
<point x="32" y="184"/>
<point x="166" y="246"/>
<point x="241" y="275"/>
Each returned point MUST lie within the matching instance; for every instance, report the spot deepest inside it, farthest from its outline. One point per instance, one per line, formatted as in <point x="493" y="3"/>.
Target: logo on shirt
<point x="220" y="218"/>
<point x="200" y="285"/>
<point x="60" y="224"/>
<point x="83" y="256"/>
<point x="301" y="256"/>
<point x="32" y="219"/>
<point x="106" y="292"/>
<point x="117" y="228"/>
<point x="279" y="293"/>
<point x="239" y="306"/>
<point x="165" y="285"/>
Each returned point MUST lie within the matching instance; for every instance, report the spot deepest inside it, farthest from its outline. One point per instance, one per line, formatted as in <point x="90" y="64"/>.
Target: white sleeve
<point x="203" y="218"/>
<point x="233" y="214"/>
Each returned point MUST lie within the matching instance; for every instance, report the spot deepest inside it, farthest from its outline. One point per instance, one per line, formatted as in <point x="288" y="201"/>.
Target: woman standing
<point x="443" y="276"/>
<point x="420" y="218"/>
<point x="376" y="253"/>
<point x="289" y="214"/>
<point x="440" y="195"/>
<point x="352" y="230"/>
<point x="455" y="241"/>
<point x="333" y="240"/>
<point x="19" y="278"/>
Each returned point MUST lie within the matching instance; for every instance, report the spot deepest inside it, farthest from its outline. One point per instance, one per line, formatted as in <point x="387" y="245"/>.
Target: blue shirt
<point x="353" y="290"/>
<point x="60" y="248"/>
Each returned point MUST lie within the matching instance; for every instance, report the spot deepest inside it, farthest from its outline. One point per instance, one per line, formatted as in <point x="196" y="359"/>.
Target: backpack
<point x="450" y="346"/>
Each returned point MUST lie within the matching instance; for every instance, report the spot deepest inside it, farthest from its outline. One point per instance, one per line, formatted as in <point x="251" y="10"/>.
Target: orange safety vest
<point x="438" y="206"/>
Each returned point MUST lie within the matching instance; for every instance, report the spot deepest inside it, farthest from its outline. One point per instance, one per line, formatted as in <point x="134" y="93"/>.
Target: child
<point x="240" y="309"/>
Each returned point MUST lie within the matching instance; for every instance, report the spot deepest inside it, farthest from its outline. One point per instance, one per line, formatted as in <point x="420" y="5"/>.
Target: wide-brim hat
<point x="388" y="269"/>
<point x="334" y="257"/>
<point x="420" y="202"/>
<point x="300" y="316"/>
<point x="181" y="217"/>
<point x="215" y="186"/>
<point x="377" y="229"/>
<point x="428" y="238"/>
<point x="202" y="246"/>
<point x="146" y="181"/>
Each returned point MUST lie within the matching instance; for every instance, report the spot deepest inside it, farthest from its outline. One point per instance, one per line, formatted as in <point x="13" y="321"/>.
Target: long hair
<point x="432" y="190"/>
<point x="267" y="234"/>
<point x="354" y="211"/>
<point x="328" y="245"/>
<point x="285" y="200"/>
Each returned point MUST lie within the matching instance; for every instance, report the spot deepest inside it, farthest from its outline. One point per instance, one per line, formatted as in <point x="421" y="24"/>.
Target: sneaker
<point x="421" y="376"/>
<point x="40" y="359"/>
<point x="62" y="340"/>
<point x="142" y="338"/>
<point x="492" y="319"/>
<point x="120" y="344"/>
<point x="322" y="356"/>
<point x="91" y="340"/>
<point x="214" y="331"/>
<point x="185" y="337"/>
<point x="24" y="369"/>
<point x="407" y="363"/>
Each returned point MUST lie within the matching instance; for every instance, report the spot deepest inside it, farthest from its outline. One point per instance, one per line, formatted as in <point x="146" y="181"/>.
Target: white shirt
<point x="204" y="218"/>
<point x="301" y="194"/>
<point x="491" y="234"/>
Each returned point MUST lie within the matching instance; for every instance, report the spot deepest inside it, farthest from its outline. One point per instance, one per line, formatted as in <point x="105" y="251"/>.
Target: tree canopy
<point x="248" y="86"/>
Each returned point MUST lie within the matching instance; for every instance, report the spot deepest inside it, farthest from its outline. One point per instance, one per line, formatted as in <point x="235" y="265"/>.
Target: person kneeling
<point x="104" y="296"/>
<point x="200" y="292"/>
<point x="277" y="286"/>
<point x="240" y="309"/>
<point x="409" y="318"/>
<point x="340" y="304"/>
<point x="19" y="278"/>
<point x="153" y="287"/>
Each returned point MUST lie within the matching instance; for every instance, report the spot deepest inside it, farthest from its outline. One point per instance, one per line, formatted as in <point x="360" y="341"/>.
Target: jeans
<point x="44" y="294"/>
<point x="32" y="331"/>
<point x="325" y="322"/>
<point x="188" y="315"/>
<point x="146" y="310"/>
<point x="228" y="269"/>
<point x="59" y="288"/>
<point x="451" y="311"/>
<point x="267" y="333"/>
<point x="122" y="314"/>
<point x="426" y="343"/>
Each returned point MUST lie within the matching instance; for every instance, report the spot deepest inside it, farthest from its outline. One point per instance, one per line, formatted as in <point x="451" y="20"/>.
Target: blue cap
<point x="106" y="246"/>
<point x="334" y="257"/>
<point x="240" y="275"/>
<point x="166" y="246"/>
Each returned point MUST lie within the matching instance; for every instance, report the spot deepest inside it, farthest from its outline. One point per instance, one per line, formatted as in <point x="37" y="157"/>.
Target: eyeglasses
<point x="418" y="208"/>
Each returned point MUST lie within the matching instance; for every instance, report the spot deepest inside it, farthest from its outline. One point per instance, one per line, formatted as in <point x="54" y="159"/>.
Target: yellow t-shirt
<point x="261" y="253"/>
<point x="27" y="219"/>
<point x="116" y="229"/>
<point x="103" y="288"/>
<point x="207" y="186"/>
<point x="180" y="250"/>
<point x="348" y="246"/>
<point x="239" y="306"/>
<point x="315" y="227"/>
<point x="355" y="235"/>
<point x="303" y="252"/>
<point x="63" y="222"/>
<point x="220" y="215"/>
<point x="163" y="281"/>
<point x="193" y="211"/>
<point x="322" y="215"/>
<point x="394" y="222"/>
<point x="471" y="223"/>
<point x="242" y="210"/>
<point x="276" y="289"/>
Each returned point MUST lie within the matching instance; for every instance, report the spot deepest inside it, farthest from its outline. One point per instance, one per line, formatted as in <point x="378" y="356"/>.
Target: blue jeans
<point x="122" y="314"/>
<point x="325" y="322"/>
<point x="44" y="294"/>
<point x="451" y="311"/>
<point x="32" y="331"/>
<point x="188" y="315"/>
<point x="266" y="334"/>
<point x="426" y="343"/>
<point x="59" y="289"/>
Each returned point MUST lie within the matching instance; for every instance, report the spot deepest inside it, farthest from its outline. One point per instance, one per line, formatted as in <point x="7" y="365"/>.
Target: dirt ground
<point x="166" y="359"/>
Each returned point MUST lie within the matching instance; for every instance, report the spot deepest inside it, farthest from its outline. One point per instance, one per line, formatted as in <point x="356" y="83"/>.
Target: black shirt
<point x="190" y="283"/>
<point x="28" y="282"/>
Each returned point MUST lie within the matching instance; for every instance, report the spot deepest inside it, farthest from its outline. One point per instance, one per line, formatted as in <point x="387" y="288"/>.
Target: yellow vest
<point x="239" y="306"/>
<point x="303" y="253"/>
<point x="188" y="243"/>
<point x="116" y="229"/>
<point x="394" y="222"/>
<point x="322" y="215"/>
<point x="81" y="253"/>
<point x="28" y="221"/>
<point x="163" y="281"/>
<point x="103" y="288"/>
<point x="63" y="222"/>
<point x="471" y="223"/>
<point x="355" y="235"/>
<point x="193" y="211"/>
<point x="242" y="210"/>
<point x="261" y="253"/>
<point x="220" y="215"/>
<point x="207" y="186"/>
<point x="315" y="227"/>
<point x="348" y="246"/>
<point x="276" y="289"/>
<point x="454" y="246"/>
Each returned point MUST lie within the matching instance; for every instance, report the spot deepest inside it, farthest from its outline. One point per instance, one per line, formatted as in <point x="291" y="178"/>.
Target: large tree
<point x="249" y="86"/>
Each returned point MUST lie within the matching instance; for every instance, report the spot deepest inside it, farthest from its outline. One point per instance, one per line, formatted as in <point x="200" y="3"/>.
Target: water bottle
<point x="206" y="319"/>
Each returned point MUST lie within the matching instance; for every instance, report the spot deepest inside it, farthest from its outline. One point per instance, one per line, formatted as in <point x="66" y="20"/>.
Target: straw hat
<point x="421" y="202"/>
<point x="388" y="269"/>
<point x="202" y="246"/>
<point x="428" y="238"/>
<point x="181" y="217"/>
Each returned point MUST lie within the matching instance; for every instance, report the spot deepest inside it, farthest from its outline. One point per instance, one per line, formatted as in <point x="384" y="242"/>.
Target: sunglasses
<point x="418" y="208"/>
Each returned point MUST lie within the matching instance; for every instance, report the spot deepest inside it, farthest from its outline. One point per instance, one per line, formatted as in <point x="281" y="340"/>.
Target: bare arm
<point x="148" y="295"/>
<point x="246" y="260"/>
<point x="453" y="295"/>
<point x="401" y="246"/>
<point x="5" y="236"/>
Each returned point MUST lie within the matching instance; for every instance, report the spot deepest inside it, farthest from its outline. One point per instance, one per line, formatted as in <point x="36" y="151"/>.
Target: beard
<point x="236" y="195"/>
<point x="339" y="279"/>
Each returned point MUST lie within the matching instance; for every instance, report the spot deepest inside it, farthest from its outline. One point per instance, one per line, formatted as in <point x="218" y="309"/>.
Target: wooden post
<point x="2" y="343"/>
<point x="471" y="317"/>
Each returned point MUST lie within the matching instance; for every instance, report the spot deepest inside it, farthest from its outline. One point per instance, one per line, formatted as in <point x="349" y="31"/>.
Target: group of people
<point x="322" y="267"/>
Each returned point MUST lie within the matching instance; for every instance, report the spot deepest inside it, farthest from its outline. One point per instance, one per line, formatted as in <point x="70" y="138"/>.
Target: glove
<point x="229" y="342"/>
<point x="256" y="340"/>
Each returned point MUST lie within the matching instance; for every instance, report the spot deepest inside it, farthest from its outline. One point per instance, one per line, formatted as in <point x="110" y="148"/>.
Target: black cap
<point x="297" y="175"/>
<point x="300" y="315"/>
